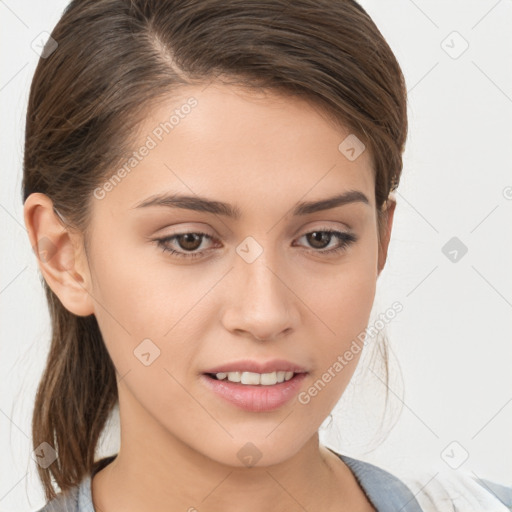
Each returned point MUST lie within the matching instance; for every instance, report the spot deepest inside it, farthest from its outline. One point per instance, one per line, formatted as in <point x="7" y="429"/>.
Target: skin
<point x="179" y="441"/>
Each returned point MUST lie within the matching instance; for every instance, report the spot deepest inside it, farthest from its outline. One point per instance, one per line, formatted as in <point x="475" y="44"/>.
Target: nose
<point x="260" y="304"/>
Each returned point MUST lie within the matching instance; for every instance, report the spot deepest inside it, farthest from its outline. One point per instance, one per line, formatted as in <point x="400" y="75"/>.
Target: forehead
<point x="240" y="146"/>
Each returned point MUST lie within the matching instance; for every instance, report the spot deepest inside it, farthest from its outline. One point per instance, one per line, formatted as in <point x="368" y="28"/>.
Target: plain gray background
<point x="452" y="339"/>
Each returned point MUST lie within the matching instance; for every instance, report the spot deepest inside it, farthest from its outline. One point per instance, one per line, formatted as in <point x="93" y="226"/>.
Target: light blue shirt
<point x="386" y="492"/>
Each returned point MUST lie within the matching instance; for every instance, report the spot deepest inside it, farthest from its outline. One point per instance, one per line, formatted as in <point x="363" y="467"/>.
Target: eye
<point x="319" y="237"/>
<point x="190" y="242"/>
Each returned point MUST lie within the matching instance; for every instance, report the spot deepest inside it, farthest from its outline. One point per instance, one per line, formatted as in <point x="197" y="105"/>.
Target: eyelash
<point x="346" y="239"/>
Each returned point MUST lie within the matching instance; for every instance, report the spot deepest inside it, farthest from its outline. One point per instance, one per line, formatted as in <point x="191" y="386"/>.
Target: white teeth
<point x="255" y="379"/>
<point x="250" y="378"/>
<point x="268" y="379"/>
<point x="234" y="376"/>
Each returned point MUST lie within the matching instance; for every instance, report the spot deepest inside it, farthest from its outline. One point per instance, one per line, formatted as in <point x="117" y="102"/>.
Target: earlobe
<point x="385" y="232"/>
<point x="60" y="255"/>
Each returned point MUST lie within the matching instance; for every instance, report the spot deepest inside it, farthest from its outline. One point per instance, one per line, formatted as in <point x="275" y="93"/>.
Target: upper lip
<point x="248" y="365"/>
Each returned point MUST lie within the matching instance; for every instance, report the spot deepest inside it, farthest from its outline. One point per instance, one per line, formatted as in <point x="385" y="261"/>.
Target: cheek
<point x="343" y="295"/>
<point x="343" y="302"/>
<point x="348" y="296"/>
<point x="131" y="290"/>
<point x="146" y="306"/>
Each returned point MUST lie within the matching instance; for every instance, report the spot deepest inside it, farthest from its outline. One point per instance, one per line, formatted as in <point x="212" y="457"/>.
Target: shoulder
<point x="456" y="491"/>
<point x="79" y="497"/>
<point x="76" y="499"/>
<point x="63" y="502"/>
<point x="386" y="492"/>
<point x="434" y="491"/>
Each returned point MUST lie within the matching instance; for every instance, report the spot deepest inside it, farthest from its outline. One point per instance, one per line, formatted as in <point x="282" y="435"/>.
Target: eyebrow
<point x="202" y="204"/>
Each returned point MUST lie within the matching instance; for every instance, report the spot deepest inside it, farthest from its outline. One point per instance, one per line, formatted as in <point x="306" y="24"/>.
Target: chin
<point x="259" y="450"/>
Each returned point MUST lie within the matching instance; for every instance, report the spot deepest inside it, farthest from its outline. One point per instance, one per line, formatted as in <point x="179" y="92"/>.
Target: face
<point x="191" y="296"/>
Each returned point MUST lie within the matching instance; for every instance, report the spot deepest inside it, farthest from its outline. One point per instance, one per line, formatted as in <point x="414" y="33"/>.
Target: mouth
<point x="241" y="385"/>
<point x="253" y="378"/>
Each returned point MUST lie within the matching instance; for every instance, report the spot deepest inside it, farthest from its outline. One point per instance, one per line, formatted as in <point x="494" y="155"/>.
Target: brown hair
<point x="114" y="59"/>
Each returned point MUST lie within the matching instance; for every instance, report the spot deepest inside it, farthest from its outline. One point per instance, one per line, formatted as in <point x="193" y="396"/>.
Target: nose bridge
<point x="257" y="267"/>
<point x="261" y="303"/>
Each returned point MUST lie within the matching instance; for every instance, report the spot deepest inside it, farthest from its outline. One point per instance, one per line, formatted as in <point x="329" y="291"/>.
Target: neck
<point x="155" y="471"/>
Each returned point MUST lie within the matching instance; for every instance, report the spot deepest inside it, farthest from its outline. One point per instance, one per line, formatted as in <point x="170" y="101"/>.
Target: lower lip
<point x="255" y="398"/>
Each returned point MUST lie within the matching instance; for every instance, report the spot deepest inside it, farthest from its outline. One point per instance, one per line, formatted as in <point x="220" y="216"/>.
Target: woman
<point x="209" y="188"/>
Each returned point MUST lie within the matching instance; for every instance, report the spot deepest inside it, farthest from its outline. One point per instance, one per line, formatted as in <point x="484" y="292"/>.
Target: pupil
<point x="193" y="239"/>
<point x="318" y="236"/>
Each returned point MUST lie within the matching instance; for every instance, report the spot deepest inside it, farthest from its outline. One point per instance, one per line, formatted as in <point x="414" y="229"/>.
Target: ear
<point x="61" y="255"/>
<point x="385" y="231"/>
